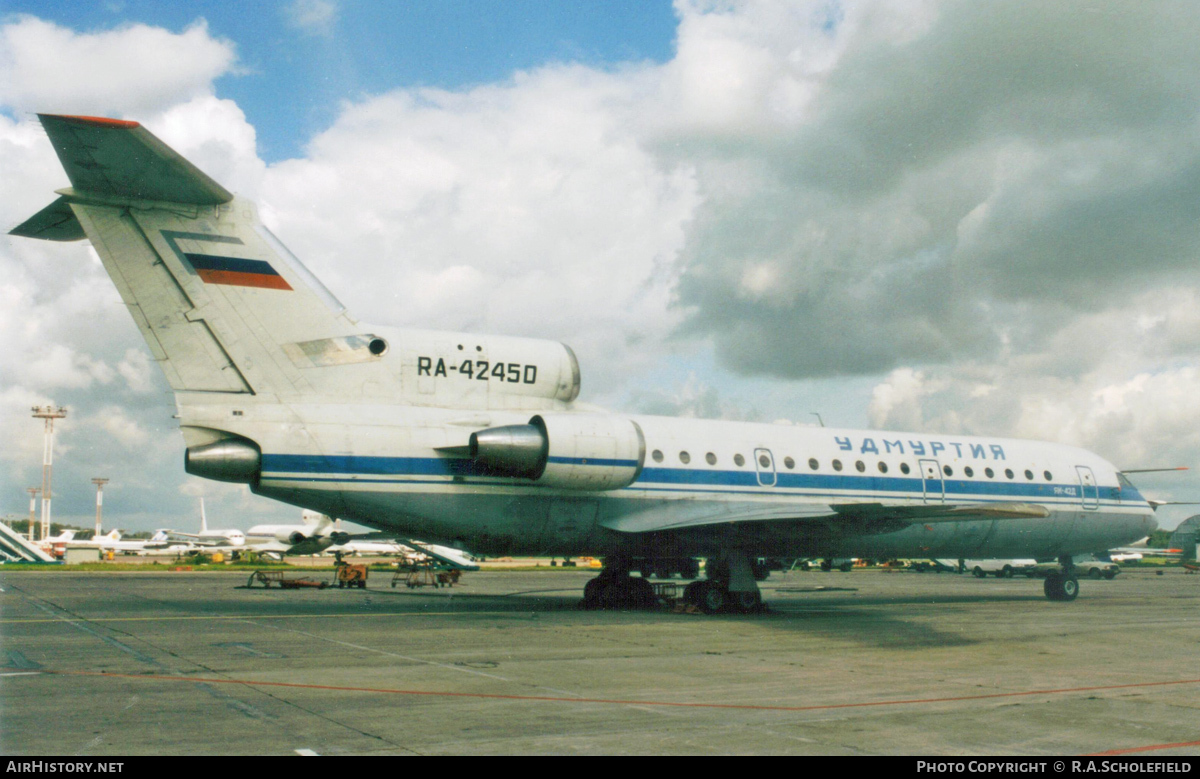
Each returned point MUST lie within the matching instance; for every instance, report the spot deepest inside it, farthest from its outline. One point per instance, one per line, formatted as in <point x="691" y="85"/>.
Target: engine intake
<point x="567" y="451"/>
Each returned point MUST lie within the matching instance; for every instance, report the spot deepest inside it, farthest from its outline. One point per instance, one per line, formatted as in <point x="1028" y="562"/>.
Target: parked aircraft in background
<point x="112" y="542"/>
<point x="218" y="537"/>
<point x="56" y="545"/>
<point x="1138" y="551"/>
<point x="480" y="440"/>
<point x="313" y="535"/>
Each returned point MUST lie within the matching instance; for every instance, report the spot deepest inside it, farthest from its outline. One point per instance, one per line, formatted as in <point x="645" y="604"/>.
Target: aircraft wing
<point x="685" y="516"/>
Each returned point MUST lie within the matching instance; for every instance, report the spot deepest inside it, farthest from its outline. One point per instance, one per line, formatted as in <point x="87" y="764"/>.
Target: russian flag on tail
<point x="236" y="271"/>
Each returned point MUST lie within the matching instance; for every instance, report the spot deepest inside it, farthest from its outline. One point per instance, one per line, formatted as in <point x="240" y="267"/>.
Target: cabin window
<point x="1029" y="474"/>
<point x="969" y="471"/>
<point x="812" y="463"/>
<point x="882" y="467"/>
<point x="860" y="466"/>
<point x="685" y="458"/>
<point x="789" y="463"/>
<point x="657" y="455"/>
<point x="946" y="469"/>
<point x="837" y="465"/>
<point x="1008" y="472"/>
<point x="988" y="472"/>
<point x="738" y="460"/>
<point x="904" y="468"/>
<point x="1049" y="476"/>
<point x="764" y="461"/>
<point x="710" y="458"/>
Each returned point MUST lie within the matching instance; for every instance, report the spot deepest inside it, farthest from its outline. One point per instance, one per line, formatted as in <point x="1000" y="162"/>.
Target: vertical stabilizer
<point x="223" y="306"/>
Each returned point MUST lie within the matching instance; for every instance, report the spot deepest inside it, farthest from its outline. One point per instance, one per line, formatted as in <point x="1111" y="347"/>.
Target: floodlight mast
<point x="33" y="493"/>
<point x="48" y="413"/>
<point x="99" y="482"/>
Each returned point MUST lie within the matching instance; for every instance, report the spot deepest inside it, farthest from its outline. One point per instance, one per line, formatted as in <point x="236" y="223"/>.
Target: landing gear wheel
<point x="1060" y="587"/>
<point x="749" y="602"/>
<point x="639" y="593"/>
<point x="595" y="594"/>
<point x="713" y="599"/>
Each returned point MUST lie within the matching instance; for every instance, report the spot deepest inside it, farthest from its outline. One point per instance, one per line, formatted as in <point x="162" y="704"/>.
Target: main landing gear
<point x="615" y="588"/>
<point x="1064" y="585"/>
<point x="729" y="588"/>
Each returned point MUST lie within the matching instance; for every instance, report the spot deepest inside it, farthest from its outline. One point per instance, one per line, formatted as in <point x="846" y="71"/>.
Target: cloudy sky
<point x="967" y="217"/>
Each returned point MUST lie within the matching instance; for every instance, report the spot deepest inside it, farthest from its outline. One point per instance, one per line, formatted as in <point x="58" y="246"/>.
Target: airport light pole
<point x="33" y="493"/>
<point x="99" y="500"/>
<point x="48" y="413"/>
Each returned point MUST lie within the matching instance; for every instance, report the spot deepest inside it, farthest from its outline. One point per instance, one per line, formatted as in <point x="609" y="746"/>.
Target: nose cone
<point x="1149" y="524"/>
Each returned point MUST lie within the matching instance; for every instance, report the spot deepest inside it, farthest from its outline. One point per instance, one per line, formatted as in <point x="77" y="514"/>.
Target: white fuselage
<point x="398" y="470"/>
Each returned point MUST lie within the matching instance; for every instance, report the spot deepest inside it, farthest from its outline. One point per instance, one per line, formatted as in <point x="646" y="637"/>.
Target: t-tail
<point x="216" y="296"/>
<point x="237" y="323"/>
<point x="229" y="314"/>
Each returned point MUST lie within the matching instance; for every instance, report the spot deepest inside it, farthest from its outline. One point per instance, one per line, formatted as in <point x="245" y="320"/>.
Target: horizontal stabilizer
<point x="122" y="159"/>
<point x="55" y="222"/>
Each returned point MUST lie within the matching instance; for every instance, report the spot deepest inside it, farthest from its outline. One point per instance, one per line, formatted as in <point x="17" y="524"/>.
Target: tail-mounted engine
<point x="569" y="451"/>
<point x="234" y="459"/>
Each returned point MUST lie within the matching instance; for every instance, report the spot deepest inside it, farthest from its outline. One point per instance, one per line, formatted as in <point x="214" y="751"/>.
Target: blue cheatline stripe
<point x="598" y="461"/>
<point x="352" y="468"/>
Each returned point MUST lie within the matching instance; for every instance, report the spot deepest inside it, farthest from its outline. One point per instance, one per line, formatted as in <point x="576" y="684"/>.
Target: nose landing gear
<point x="1062" y="586"/>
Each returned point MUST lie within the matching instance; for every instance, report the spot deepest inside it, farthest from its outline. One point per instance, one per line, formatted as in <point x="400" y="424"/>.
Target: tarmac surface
<point x="866" y="662"/>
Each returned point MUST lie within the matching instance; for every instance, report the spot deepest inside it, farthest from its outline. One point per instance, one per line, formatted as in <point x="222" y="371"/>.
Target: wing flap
<point x="122" y="159"/>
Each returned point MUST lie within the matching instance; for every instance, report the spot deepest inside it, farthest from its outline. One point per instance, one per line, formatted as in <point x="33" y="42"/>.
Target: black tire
<point x="1095" y="573"/>
<point x="847" y="567"/>
<point x="978" y="572"/>
<point x="1061" y="587"/>
<point x="641" y="593"/>
<point x="747" y="602"/>
<point x="1007" y="572"/>
<point x="827" y="565"/>
<point x="1110" y="574"/>
<point x="714" y="599"/>
<point x="593" y="594"/>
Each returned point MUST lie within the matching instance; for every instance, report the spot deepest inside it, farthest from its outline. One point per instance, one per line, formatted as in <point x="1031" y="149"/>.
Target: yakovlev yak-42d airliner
<point x="479" y="441"/>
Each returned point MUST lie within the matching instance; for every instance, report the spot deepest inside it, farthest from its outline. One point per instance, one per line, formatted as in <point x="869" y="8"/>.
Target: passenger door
<point x="765" y="463"/>
<point x="931" y="477"/>
<point x="1089" y="490"/>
